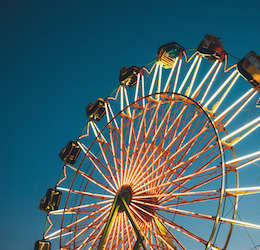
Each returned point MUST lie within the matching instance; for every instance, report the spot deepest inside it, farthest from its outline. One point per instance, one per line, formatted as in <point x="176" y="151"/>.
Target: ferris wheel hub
<point x="125" y="192"/>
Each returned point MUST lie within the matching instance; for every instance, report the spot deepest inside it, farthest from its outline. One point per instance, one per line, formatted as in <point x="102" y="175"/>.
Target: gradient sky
<point x="57" y="56"/>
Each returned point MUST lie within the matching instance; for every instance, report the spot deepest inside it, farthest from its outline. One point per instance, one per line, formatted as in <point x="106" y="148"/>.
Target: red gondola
<point x="212" y="48"/>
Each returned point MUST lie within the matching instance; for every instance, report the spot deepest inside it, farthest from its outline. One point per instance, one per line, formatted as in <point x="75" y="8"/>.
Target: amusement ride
<point x="162" y="160"/>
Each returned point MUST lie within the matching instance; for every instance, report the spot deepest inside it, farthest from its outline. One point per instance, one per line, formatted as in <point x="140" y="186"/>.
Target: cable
<point x="247" y="232"/>
<point x="233" y="57"/>
<point x="254" y="247"/>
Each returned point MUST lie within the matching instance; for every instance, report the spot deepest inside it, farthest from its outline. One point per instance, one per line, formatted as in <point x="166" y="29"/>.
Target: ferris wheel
<point x="158" y="164"/>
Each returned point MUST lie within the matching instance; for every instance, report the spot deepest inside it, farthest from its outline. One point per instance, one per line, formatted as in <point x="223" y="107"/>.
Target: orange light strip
<point x="105" y="214"/>
<point x="135" y="150"/>
<point x="96" y="228"/>
<point x="171" y="158"/>
<point x="115" y="178"/>
<point x="144" y="167"/>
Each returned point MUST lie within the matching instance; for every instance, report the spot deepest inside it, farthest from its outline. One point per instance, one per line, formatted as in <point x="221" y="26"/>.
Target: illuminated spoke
<point x="102" y="196"/>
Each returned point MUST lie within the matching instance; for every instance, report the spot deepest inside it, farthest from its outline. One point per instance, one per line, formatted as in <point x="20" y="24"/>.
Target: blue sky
<point x="57" y="56"/>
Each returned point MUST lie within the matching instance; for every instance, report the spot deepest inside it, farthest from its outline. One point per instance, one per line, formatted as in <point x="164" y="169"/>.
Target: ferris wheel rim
<point x="216" y="133"/>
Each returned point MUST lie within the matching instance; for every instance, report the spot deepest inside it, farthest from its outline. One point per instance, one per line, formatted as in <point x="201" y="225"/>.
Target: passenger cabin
<point x="128" y="76"/>
<point x="50" y="201"/>
<point x="96" y="110"/>
<point x="249" y="68"/>
<point x="212" y="48"/>
<point x="42" y="245"/>
<point x="168" y="52"/>
<point x="70" y="153"/>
